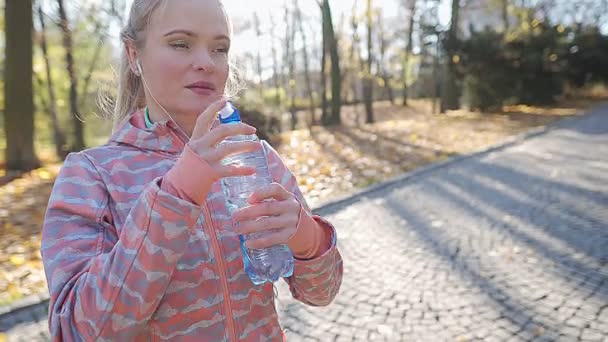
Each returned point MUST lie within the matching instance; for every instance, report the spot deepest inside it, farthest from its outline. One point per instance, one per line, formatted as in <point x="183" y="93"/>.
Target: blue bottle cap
<point x="229" y="114"/>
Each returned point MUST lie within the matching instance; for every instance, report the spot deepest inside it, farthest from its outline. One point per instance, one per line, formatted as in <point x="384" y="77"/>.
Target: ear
<point x="132" y="54"/>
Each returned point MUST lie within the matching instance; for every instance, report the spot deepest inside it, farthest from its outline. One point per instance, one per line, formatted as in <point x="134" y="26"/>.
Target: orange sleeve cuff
<point x="311" y="239"/>
<point x="190" y="178"/>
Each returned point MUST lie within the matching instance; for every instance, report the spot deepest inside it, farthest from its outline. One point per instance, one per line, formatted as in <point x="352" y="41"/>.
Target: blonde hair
<point x="130" y="96"/>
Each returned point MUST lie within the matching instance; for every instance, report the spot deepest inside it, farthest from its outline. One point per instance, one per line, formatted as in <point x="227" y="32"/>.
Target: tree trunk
<point x="436" y="81"/>
<point x="275" y="65"/>
<point x="18" y="91"/>
<point x="58" y="136"/>
<point x="286" y="54"/>
<point x="369" y="79"/>
<point x="450" y="95"/>
<point x="505" y="14"/>
<point x="355" y="57"/>
<point x="324" y="48"/>
<point x="306" y="65"/>
<point x="408" y="50"/>
<point x="336" y="76"/>
<point x="116" y="12"/>
<point x="292" y="71"/>
<point x="383" y="42"/>
<point x="78" y="143"/>
<point x="92" y="65"/>
<point x="258" y="59"/>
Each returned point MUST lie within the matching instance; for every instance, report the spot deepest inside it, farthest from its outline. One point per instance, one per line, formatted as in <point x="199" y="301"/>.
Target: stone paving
<point x="506" y="245"/>
<point x="509" y="245"/>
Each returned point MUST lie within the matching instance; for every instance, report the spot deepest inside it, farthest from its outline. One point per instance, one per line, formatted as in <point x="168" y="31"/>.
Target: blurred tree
<point x="488" y="80"/>
<point x="450" y="98"/>
<point x="504" y="10"/>
<point x="18" y="77"/>
<point x="323" y="74"/>
<point x="531" y="65"/>
<point x="258" y="57"/>
<point x="78" y="142"/>
<point x="116" y="10"/>
<point x="330" y="45"/>
<point x="286" y="49"/>
<point x="383" y="43"/>
<point x="306" y="62"/>
<point x="61" y="148"/>
<point x="355" y="61"/>
<point x="291" y="62"/>
<point x="429" y="36"/>
<point x="409" y="48"/>
<point x="275" y="62"/>
<point x="368" y="77"/>
<point x="587" y="56"/>
<point x="97" y="37"/>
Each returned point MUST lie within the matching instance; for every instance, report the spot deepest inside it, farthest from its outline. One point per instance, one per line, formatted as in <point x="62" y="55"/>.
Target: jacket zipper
<point x="220" y="263"/>
<point x="223" y="277"/>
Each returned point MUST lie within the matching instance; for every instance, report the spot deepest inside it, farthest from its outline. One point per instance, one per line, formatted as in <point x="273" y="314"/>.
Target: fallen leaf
<point x="17" y="260"/>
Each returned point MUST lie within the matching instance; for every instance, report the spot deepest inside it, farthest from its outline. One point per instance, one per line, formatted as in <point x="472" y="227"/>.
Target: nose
<point x="203" y="61"/>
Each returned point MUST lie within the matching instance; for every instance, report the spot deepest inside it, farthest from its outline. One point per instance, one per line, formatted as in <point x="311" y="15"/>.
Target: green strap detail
<point x="149" y="122"/>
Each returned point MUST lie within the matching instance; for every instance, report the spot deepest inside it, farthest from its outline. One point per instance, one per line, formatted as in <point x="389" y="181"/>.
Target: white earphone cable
<point x="141" y="74"/>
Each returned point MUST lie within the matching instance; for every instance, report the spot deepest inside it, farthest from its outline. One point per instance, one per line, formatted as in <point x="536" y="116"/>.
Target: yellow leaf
<point x="13" y="290"/>
<point x="44" y="174"/>
<point x="3" y="337"/>
<point x="17" y="260"/>
<point x="535" y="23"/>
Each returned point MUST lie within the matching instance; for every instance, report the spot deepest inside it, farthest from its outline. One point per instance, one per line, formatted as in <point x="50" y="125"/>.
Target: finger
<point x="268" y="240"/>
<point x="266" y="208"/>
<point x="219" y="134"/>
<point x="205" y="119"/>
<point x="264" y="224"/>
<point x="226" y="150"/>
<point x="274" y="190"/>
<point x="235" y="171"/>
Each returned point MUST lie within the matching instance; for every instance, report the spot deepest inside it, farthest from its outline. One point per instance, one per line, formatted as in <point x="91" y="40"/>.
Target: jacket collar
<point x="162" y="136"/>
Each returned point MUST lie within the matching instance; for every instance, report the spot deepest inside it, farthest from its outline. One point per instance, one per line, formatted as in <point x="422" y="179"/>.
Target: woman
<point x="137" y="241"/>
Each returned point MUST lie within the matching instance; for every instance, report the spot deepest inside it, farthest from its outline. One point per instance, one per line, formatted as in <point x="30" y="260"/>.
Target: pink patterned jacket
<point x="127" y="261"/>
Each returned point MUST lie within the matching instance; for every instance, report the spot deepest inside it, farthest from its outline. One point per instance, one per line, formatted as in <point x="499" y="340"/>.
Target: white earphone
<point x="139" y="68"/>
<point x="140" y="73"/>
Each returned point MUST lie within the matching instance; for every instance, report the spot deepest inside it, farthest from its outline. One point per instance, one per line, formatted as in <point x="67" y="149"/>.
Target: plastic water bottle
<point x="261" y="265"/>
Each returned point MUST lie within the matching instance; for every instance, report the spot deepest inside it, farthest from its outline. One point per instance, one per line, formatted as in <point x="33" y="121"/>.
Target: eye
<point x="180" y="45"/>
<point x="222" y="50"/>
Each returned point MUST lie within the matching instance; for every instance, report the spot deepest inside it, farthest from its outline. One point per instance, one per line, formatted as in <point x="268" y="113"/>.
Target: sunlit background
<point x="435" y="80"/>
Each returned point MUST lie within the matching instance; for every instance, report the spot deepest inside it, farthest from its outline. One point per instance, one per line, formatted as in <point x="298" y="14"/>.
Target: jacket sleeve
<point x="104" y="281"/>
<point x="316" y="281"/>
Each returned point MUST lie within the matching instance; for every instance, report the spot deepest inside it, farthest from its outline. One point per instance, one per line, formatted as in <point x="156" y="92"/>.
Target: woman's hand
<point x="272" y="217"/>
<point x="205" y="142"/>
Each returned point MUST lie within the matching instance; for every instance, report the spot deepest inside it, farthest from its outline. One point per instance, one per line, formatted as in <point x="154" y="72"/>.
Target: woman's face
<point x="185" y="57"/>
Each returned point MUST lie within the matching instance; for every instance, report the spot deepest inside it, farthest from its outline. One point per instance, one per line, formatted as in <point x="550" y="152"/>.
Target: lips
<point x="201" y="85"/>
<point x="202" y="88"/>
